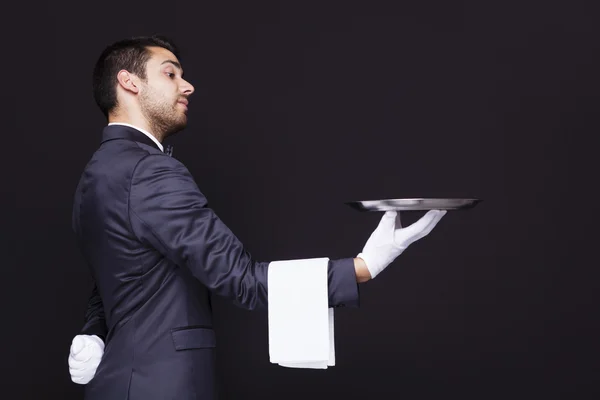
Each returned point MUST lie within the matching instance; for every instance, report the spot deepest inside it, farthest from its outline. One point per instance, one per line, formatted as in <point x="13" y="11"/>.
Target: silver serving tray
<point x="413" y="204"/>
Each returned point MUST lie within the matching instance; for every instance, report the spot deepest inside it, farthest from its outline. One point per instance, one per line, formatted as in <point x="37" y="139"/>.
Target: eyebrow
<point x="175" y="63"/>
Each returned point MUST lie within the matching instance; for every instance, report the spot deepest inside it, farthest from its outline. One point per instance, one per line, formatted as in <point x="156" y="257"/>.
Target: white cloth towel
<point x="300" y="321"/>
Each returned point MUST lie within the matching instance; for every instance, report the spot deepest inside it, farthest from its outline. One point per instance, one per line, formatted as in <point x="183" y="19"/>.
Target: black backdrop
<point x="299" y="108"/>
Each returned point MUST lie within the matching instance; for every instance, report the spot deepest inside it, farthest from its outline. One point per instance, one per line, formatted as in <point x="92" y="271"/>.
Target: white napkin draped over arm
<point x="301" y="323"/>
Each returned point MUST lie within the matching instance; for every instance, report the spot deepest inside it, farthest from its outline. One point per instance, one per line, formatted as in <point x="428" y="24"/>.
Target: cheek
<point x="165" y="88"/>
<point x="167" y="95"/>
<point x="171" y="92"/>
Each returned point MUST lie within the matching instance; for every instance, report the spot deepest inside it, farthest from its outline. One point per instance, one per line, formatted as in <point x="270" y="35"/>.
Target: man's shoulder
<point x="121" y="157"/>
<point x="122" y="151"/>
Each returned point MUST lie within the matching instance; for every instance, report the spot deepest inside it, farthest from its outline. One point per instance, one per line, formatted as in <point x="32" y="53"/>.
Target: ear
<point x="128" y="81"/>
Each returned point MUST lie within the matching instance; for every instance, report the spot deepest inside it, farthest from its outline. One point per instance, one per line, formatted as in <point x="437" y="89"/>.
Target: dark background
<point x="300" y="107"/>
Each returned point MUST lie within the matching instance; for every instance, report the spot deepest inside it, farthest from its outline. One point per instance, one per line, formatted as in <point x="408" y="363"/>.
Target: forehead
<point x="158" y="55"/>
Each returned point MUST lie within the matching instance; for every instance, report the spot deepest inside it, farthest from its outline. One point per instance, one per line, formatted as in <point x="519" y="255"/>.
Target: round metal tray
<point x="417" y="204"/>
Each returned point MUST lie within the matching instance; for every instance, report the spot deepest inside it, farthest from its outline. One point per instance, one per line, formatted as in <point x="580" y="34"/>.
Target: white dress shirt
<point x="155" y="140"/>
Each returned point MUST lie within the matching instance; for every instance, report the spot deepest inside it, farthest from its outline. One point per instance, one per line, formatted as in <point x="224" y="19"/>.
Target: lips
<point x="184" y="103"/>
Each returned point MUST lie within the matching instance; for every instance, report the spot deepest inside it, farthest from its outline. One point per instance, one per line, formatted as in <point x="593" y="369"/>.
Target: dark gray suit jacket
<point x="155" y="251"/>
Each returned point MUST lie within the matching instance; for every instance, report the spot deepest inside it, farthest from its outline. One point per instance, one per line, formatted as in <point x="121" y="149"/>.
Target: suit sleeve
<point x="95" y="324"/>
<point x="167" y="211"/>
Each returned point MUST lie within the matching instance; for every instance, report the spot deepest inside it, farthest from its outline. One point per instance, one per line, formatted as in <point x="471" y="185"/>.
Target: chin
<point x="177" y="126"/>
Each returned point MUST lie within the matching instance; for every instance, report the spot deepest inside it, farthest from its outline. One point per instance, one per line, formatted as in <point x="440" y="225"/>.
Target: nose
<point x="187" y="88"/>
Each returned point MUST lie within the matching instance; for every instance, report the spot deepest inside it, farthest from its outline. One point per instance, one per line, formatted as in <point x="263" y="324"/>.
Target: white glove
<point x="389" y="239"/>
<point x="85" y="356"/>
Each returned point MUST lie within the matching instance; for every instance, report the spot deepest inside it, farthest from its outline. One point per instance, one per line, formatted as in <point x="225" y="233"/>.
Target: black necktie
<point x="169" y="150"/>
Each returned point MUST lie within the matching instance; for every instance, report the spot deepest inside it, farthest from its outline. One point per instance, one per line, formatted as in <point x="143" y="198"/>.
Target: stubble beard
<point x="162" y="115"/>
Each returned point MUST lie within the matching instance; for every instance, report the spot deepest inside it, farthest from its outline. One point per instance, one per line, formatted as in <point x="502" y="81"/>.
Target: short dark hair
<point x="130" y="54"/>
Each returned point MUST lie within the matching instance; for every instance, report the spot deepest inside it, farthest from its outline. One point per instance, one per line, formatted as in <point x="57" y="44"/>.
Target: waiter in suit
<point x="156" y="250"/>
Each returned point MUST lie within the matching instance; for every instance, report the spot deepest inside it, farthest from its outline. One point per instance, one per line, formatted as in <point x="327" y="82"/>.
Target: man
<point x="156" y="250"/>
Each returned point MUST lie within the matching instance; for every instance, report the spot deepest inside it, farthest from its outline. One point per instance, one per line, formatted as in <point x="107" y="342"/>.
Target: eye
<point x="170" y="74"/>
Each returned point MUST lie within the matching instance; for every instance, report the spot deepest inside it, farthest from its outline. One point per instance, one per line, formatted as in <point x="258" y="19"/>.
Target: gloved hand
<point x="389" y="239"/>
<point x="84" y="358"/>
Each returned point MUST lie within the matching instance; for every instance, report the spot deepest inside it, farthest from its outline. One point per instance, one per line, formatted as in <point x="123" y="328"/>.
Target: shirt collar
<point x="159" y="144"/>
